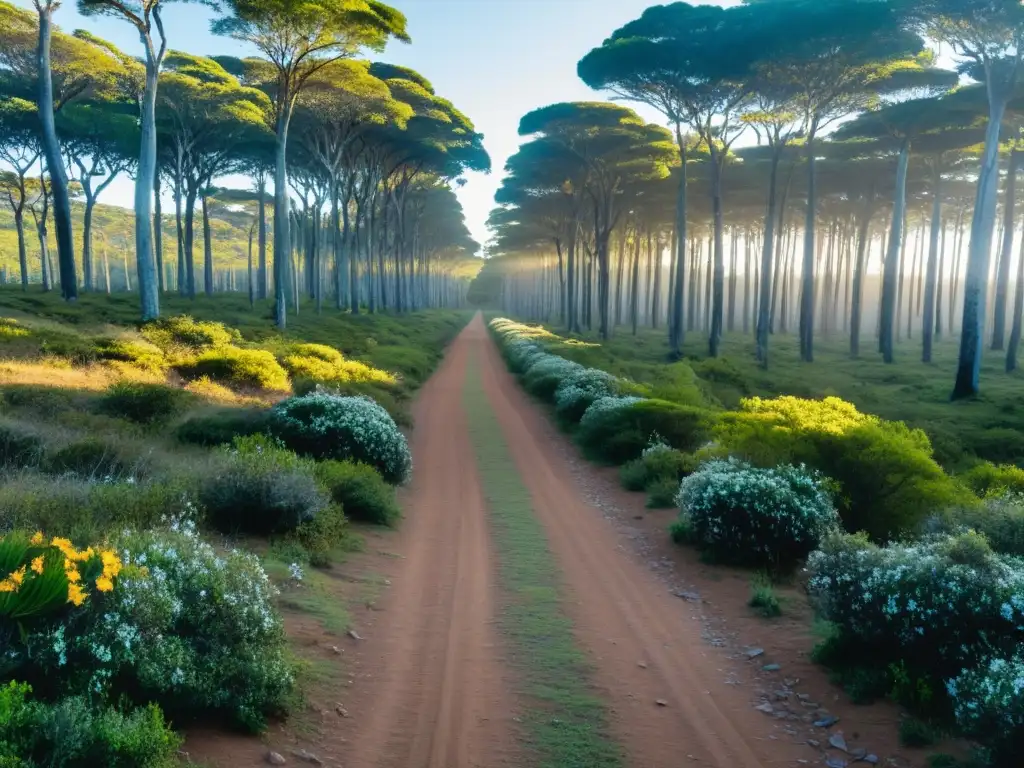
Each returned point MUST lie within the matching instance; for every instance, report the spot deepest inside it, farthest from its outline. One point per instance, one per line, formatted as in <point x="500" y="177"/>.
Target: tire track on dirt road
<point x="427" y="685"/>
<point x="644" y="647"/>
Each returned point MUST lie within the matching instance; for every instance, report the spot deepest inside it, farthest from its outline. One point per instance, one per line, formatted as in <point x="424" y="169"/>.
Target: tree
<point x="988" y="38"/>
<point x="299" y="38"/>
<point x="19" y="148"/>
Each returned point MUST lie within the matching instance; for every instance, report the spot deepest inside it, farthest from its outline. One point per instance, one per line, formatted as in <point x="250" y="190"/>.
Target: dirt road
<point x="428" y="683"/>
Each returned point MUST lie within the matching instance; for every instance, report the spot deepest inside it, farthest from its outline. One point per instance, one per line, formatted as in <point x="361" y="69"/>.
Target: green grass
<point x="314" y="596"/>
<point x="990" y="426"/>
<point x="566" y="724"/>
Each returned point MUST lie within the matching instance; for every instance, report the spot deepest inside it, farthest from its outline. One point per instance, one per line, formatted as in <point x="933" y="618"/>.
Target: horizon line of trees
<point x="351" y="162"/>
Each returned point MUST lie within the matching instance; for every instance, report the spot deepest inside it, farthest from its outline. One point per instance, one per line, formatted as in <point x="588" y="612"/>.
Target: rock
<point x="771" y="667"/>
<point x="642" y="664"/>
<point x="341" y="710"/>
<point x="813" y="743"/>
<point x="803" y="697"/>
<point x="661" y="702"/>
<point x="354" y="635"/>
<point x="308" y="757"/>
<point x="766" y="708"/>
<point x="826" y="722"/>
<point x="276" y="758"/>
<point x="780" y="695"/>
<point x="858" y="754"/>
<point x="693" y="597"/>
<point x="336" y="649"/>
<point x="753" y="653"/>
<point x="835" y="762"/>
<point x="872" y="759"/>
<point x="837" y="741"/>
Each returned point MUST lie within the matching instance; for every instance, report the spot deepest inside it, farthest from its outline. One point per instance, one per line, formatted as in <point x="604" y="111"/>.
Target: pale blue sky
<point x="495" y="59"/>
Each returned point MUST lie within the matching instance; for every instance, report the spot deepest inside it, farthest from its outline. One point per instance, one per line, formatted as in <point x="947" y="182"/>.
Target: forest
<point x="828" y="170"/>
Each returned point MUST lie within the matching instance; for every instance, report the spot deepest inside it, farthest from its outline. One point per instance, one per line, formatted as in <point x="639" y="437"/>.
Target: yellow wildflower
<point x="18" y="576"/>
<point x="37" y="564"/>
<point x="111" y="564"/>
<point x="38" y="538"/>
<point x="7" y="586"/>
<point x="76" y="594"/>
<point x="65" y="547"/>
<point x="104" y="584"/>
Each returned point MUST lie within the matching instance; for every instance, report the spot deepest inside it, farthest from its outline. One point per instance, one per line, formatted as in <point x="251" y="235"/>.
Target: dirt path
<point x="427" y="690"/>
<point x="645" y="646"/>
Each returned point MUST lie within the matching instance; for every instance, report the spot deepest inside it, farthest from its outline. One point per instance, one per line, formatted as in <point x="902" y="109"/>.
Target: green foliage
<point x="917" y="733"/>
<point x="142" y="403"/>
<point x="361" y="492"/>
<point x="763" y="597"/>
<point x="221" y="427"/>
<point x="987" y="479"/>
<point x="546" y="373"/>
<point x="658" y="464"/>
<point x="44" y="400"/>
<point x="662" y="494"/>
<point x="71" y="733"/>
<point x="20" y="446"/>
<point x="619" y="431"/>
<point x="989" y="708"/>
<point x="261" y="488"/>
<point x="1000" y="519"/>
<point x="95" y="458"/>
<point x="139" y="353"/>
<point x="240" y="368"/>
<point x="323" y="533"/>
<point x="681" y="530"/>
<point x="184" y="333"/>
<point x="888" y="481"/>
<point x="325" y="365"/>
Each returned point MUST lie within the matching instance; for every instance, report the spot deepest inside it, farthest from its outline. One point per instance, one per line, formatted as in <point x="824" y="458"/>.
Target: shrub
<point x="43" y="399"/>
<point x="760" y="517"/>
<point x="186" y="628"/>
<point x="222" y="426"/>
<point x="987" y="479"/>
<point x="888" y="480"/>
<point x="143" y="403"/>
<point x="20" y="446"/>
<point x="579" y="390"/>
<point x="96" y="458"/>
<point x="246" y="368"/>
<point x="186" y="333"/>
<point x="546" y="373"/>
<point x="681" y="530"/>
<point x="617" y="429"/>
<point x="520" y="354"/>
<point x="323" y="533"/>
<point x="999" y="518"/>
<point x="988" y="702"/>
<point x="917" y="733"/>
<point x="763" y="597"/>
<point x="360" y="490"/>
<point x="261" y="488"/>
<point x="662" y="494"/>
<point x="326" y="365"/>
<point x="941" y="605"/>
<point x="327" y="426"/>
<point x="73" y="734"/>
<point x="139" y="353"/>
<point x="657" y="464"/>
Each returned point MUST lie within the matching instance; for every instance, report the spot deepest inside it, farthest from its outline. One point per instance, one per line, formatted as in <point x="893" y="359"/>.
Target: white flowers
<point x="296" y="571"/>
<point x="988" y="702"/>
<point x="581" y="388"/>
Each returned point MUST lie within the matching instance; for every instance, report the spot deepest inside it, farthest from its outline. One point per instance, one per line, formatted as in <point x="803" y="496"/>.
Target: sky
<point x="494" y="59"/>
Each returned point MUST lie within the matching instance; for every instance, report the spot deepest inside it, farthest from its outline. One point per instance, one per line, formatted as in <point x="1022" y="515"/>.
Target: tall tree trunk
<point x="282" y="235"/>
<point x="261" y="275"/>
<point x="250" y="282"/>
<point x="931" y="276"/>
<point x="1018" y="310"/>
<point x="718" y="267"/>
<point x="190" y="229"/>
<point x="807" y="294"/>
<point x="1003" y="269"/>
<point x="859" y="269"/>
<point x="149" y="295"/>
<point x="730" y="323"/>
<point x="54" y="161"/>
<point x="88" y="282"/>
<point x="180" y="228"/>
<point x="207" y="245"/>
<point x="158" y="232"/>
<point x="676" y="334"/>
<point x="969" y="364"/>
<point x="890" y="274"/>
<point x="19" y="226"/>
<point x="634" y="304"/>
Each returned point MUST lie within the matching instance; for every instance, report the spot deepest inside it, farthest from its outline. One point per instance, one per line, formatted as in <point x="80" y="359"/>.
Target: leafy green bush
<point x="662" y="494"/>
<point x="187" y="628"/>
<point x="73" y="734"/>
<point x="761" y="517"/>
<point x="579" y="390"/>
<point x="546" y="373"/>
<point x="139" y="353"/>
<point x="990" y="479"/>
<point x="222" y="426"/>
<point x="39" y="398"/>
<point x="323" y="533"/>
<point x="245" y="368"/>
<point x="143" y="403"/>
<point x="888" y="480"/>
<point x="763" y="597"/>
<point x="657" y="464"/>
<point x="96" y="458"/>
<point x="20" y="446"/>
<point x="360" y="490"/>
<point x="916" y="733"/>
<point x="261" y="488"/>
<point x="327" y="426"/>
<point x="989" y="707"/>
<point x="186" y="333"/>
<point x="617" y="429"/>
<point x="999" y="518"/>
<point x="326" y="365"/>
<point x="940" y="605"/>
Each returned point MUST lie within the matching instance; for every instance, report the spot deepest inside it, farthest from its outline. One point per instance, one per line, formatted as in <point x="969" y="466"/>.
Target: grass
<point x="990" y="426"/>
<point x="566" y="724"/>
<point x="763" y="597"/>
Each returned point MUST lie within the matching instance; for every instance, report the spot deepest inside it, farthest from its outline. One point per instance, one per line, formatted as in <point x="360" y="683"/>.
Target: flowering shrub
<point x="328" y="426"/>
<point x="888" y="480"/>
<point x="761" y="517"/>
<point x="942" y="604"/>
<point x="988" y="702"/>
<point x="521" y="353"/>
<point x="262" y="488"/>
<point x="187" y="628"/>
<point x="579" y="390"/>
<point x="617" y="429"/>
<point x="545" y="373"/>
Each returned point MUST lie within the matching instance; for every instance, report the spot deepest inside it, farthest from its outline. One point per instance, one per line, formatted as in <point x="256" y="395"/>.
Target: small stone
<point x="766" y="708"/>
<point x="835" y="762"/>
<point x="661" y="702"/>
<point x="341" y="710"/>
<point x="753" y="653"/>
<point x="803" y="697"/>
<point x="336" y="649"/>
<point x="693" y="597"/>
<point x="813" y="743"/>
<point x="354" y="635"/>
<point x="837" y="741"/>
<point x="771" y="667"/>
<point x="871" y="759"/>
<point x="826" y="722"/>
<point x="858" y="753"/>
<point x="638" y="517"/>
<point x="309" y="757"/>
<point x="642" y="664"/>
<point x="276" y="758"/>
